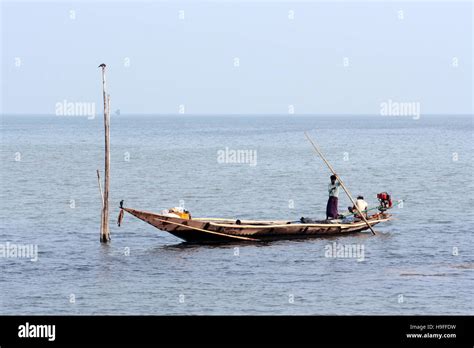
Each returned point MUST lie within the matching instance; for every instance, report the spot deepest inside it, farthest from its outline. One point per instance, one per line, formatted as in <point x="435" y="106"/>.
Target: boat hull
<point x="222" y="230"/>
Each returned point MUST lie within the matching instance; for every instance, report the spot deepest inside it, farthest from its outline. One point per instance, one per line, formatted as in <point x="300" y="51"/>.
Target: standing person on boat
<point x="333" y="189"/>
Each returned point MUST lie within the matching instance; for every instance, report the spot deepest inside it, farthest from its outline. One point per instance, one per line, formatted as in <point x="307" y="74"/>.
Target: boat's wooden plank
<point x="300" y="225"/>
<point x="245" y="222"/>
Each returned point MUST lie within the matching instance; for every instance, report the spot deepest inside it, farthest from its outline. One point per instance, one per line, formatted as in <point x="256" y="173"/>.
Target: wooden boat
<point x="203" y="230"/>
<point x="208" y="230"/>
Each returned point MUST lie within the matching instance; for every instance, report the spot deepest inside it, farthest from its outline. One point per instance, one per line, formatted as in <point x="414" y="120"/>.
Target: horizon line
<point x="238" y="114"/>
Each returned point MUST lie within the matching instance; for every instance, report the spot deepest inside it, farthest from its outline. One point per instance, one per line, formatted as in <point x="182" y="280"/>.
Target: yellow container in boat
<point x="184" y="215"/>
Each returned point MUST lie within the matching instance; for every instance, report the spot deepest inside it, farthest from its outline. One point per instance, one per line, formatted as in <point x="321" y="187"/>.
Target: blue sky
<point x="288" y="54"/>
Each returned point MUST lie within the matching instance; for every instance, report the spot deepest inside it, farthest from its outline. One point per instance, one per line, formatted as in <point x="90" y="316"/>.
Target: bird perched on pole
<point x="102" y="65"/>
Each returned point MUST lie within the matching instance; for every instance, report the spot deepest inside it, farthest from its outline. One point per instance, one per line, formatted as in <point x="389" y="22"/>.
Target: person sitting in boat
<point x="362" y="205"/>
<point x="333" y="189"/>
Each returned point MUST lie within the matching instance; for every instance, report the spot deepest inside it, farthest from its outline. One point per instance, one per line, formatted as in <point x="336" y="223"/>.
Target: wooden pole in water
<point x="102" y="200"/>
<point x="100" y="188"/>
<point x="318" y="151"/>
<point x="104" y="228"/>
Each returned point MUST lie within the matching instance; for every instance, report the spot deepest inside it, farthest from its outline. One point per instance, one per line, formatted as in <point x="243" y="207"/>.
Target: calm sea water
<point x="421" y="263"/>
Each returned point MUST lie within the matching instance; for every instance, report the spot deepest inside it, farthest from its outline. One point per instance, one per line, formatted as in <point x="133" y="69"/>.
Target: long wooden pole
<point x="318" y="151"/>
<point x="105" y="232"/>
<point x="206" y="231"/>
